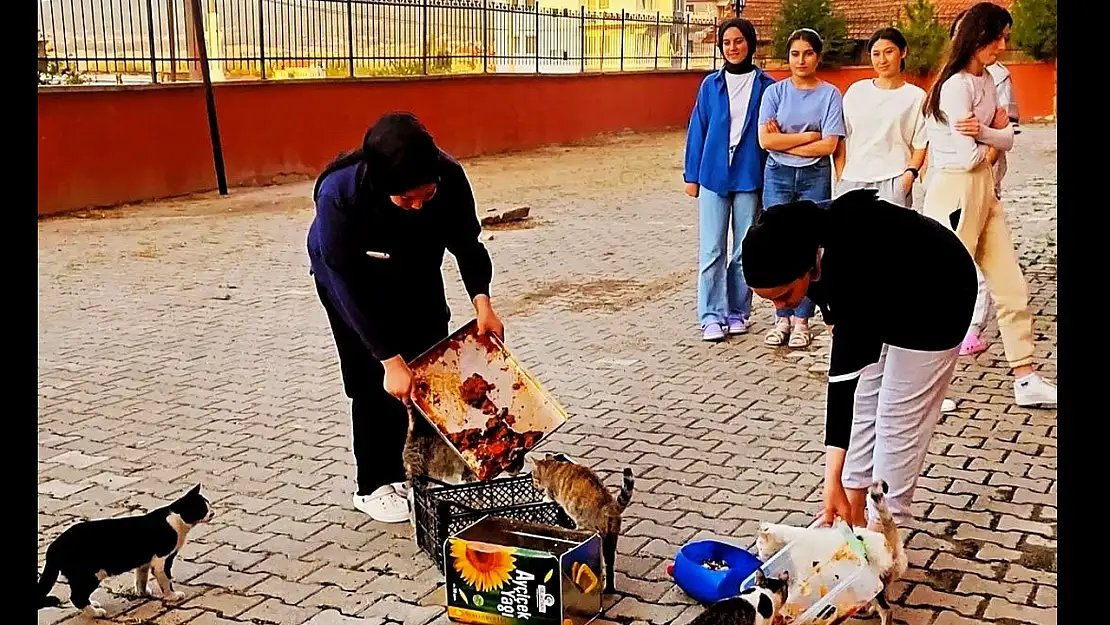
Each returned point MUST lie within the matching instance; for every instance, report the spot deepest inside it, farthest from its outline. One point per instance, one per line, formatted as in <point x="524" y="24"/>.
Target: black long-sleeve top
<point x="890" y="276"/>
<point x="382" y="264"/>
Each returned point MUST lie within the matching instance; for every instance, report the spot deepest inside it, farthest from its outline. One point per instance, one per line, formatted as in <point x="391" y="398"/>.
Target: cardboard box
<point x="506" y="572"/>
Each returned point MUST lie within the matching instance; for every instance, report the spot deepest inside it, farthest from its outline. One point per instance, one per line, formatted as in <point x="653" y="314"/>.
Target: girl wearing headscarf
<point x="887" y="373"/>
<point x="724" y="171"/>
<point x="385" y="215"/>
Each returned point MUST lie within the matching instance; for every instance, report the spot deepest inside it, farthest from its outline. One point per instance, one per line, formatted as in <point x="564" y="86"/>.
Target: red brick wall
<point x="112" y="145"/>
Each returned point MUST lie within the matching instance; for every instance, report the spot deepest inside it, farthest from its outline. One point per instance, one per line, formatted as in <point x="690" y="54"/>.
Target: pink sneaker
<point x="972" y="345"/>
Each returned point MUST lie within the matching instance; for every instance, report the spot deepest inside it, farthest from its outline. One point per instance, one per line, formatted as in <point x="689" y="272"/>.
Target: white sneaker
<point x="1033" y="390"/>
<point x="947" y="405"/>
<point x="384" y="505"/>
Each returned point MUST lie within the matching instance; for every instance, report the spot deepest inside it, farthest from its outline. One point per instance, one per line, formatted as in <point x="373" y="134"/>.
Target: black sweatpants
<point x="379" y="423"/>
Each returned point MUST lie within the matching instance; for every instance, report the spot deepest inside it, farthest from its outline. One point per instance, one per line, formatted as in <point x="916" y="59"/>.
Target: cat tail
<point x="47" y="580"/>
<point x="887" y="527"/>
<point x="625" y="496"/>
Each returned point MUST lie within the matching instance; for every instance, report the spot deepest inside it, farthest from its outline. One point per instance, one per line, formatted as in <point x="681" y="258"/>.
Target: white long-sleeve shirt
<point x="1004" y="91"/>
<point x="960" y="96"/>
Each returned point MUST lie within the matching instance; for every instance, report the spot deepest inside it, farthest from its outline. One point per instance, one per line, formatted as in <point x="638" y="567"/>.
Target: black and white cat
<point x="758" y="605"/>
<point x="92" y="551"/>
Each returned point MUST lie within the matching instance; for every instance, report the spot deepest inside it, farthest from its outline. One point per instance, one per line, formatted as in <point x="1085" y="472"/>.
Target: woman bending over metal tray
<point x="385" y="215"/>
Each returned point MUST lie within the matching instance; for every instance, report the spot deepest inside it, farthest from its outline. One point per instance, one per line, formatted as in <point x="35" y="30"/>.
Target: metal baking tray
<point x="439" y="374"/>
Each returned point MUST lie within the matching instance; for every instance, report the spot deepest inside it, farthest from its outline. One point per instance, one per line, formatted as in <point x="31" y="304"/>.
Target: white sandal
<point x="800" y="336"/>
<point x="777" y="335"/>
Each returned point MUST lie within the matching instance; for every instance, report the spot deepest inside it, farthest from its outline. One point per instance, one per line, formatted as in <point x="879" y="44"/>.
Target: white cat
<point x="885" y="552"/>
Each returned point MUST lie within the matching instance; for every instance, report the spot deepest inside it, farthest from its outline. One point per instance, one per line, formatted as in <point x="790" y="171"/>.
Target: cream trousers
<point x="966" y="202"/>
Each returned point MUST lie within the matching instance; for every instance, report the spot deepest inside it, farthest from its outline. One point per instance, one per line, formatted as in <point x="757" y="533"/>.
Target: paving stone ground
<point x="181" y="343"/>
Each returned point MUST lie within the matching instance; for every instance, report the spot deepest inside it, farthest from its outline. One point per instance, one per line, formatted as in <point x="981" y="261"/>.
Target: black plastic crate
<point x="443" y="510"/>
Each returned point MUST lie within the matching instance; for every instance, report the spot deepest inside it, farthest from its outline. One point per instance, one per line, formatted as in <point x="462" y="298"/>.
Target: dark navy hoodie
<point x="381" y="265"/>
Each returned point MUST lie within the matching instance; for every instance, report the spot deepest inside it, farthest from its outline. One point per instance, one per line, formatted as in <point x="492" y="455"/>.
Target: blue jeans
<point x="723" y="295"/>
<point x="783" y="184"/>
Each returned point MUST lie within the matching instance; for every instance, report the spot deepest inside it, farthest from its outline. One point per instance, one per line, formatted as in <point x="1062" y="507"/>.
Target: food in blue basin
<point x="710" y="570"/>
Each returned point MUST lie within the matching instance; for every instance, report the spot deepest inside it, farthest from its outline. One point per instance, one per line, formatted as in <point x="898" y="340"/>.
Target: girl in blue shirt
<point x="724" y="171"/>
<point x="801" y="120"/>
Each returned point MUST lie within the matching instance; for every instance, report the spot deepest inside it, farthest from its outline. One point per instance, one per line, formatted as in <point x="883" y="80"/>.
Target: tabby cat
<point x="591" y="506"/>
<point x="758" y="605"/>
<point x="426" y="453"/>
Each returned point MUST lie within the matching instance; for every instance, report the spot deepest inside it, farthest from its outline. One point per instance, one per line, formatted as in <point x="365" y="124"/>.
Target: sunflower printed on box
<point x="505" y="572"/>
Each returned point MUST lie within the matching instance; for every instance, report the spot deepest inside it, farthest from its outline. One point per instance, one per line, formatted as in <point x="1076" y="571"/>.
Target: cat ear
<point x="760" y="578"/>
<point x="194" y="491"/>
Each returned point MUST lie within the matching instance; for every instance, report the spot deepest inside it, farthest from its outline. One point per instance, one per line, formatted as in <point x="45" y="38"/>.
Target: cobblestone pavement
<point x="181" y="342"/>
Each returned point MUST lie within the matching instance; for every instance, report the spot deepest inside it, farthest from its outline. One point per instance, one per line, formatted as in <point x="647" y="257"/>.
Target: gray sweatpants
<point x="890" y="190"/>
<point x="896" y="410"/>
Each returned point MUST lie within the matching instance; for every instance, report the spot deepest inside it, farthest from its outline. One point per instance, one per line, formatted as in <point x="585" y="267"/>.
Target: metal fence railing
<point x="136" y="41"/>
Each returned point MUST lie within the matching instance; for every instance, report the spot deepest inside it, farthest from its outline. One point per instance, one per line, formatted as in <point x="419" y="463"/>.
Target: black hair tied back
<point x="782" y="244"/>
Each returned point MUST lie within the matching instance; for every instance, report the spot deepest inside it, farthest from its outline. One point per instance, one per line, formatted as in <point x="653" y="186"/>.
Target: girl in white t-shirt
<point x="885" y="145"/>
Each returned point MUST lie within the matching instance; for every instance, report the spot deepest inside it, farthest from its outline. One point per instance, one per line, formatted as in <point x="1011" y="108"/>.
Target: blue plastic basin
<point x="708" y="586"/>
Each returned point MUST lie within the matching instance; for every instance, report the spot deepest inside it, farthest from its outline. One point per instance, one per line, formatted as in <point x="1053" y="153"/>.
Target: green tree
<point x="925" y="36"/>
<point x="820" y="16"/>
<point x="1035" y="28"/>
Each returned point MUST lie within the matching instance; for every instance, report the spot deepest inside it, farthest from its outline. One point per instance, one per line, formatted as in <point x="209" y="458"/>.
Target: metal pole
<point x="686" y="41"/>
<point x="716" y="46"/>
<point x="582" y="34"/>
<point x="424" y="30"/>
<point x="657" y="40"/>
<point x="622" y="40"/>
<point x="536" y="6"/>
<point x="209" y="97"/>
<point x="262" y="37"/>
<point x="171" y="25"/>
<point x="150" y="38"/>
<point x="350" y="38"/>
<point x="485" y="37"/>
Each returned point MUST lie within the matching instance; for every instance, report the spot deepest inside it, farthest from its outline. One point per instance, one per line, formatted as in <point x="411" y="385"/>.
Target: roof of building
<point x="864" y="17"/>
<point x="947" y="10"/>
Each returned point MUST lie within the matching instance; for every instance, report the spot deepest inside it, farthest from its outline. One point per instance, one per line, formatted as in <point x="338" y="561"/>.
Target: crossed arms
<point x="805" y="144"/>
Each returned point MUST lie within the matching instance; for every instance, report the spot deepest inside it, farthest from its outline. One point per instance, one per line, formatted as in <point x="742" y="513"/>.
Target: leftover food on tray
<point x="448" y="398"/>
<point x="475" y="392"/>
<point x="715" y="565"/>
<point x="497" y="447"/>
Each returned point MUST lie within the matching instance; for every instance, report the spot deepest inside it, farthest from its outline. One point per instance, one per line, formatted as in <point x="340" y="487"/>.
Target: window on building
<point x="689" y="8"/>
<point x="530" y="44"/>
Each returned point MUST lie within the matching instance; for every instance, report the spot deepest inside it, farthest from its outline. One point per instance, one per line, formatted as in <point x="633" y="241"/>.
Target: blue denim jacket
<point x="708" y="135"/>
